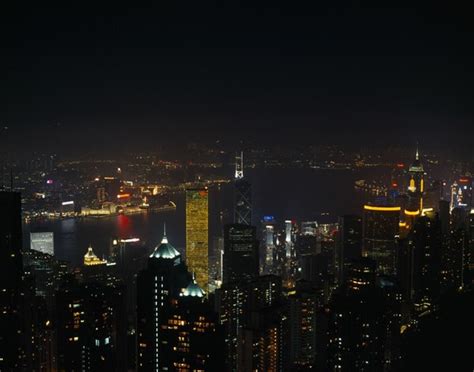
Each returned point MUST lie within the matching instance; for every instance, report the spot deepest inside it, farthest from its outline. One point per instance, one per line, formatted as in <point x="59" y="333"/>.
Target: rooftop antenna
<point x="239" y="166"/>
<point x="165" y="239"/>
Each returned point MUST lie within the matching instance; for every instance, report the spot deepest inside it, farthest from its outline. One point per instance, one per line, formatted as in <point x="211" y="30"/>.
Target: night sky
<point x="190" y="68"/>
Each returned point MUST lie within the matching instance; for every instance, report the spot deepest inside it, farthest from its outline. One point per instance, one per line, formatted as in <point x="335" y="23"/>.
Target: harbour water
<point x="301" y="194"/>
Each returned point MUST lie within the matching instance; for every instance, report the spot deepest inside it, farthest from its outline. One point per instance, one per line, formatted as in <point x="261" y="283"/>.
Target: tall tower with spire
<point x="416" y="186"/>
<point x="242" y="194"/>
<point x="157" y="286"/>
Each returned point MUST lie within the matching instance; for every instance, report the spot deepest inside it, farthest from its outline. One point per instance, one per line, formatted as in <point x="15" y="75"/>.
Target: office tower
<point x="469" y="273"/>
<point x="348" y="243"/>
<point x="263" y="341"/>
<point x="326" y="242"/>
<point x="399" y="178"/>
<point x="157" y="285"/>
<point x="452" y="259"/>
<point x="197" y="236"/>
<point x="112" y="188"/>
<point x="461" y="193"/>
<point x="240" y="261"/>
<point x="380" y="228"/>
<point x="242" y="194"/>
<point x="309" y="228"/>
<point x="12" y="355"/>
<point x="235" y="301"/>
<point x="42" y="242"/>
<point x="306" y="244"/>
<point x="303" y="307"/>
<point x="288" y="258"/>
<point x="361" y="331"/>
<point x="43" y="277"/>
<point x="216" y="262"/>
<point x="444" y="216"/>
<point x="46" y="270"/>
<point x="456" y="251"/>
<point x="91" y="326"/>
<point x="231" y="305"/>
<point x="361" y="274"/>
<point x="416" y="187"/>
<point x="268" y="252"/>
<point x="314" y="268"/>
<point x="191" y="336"/>
<point x="426" y="242"/>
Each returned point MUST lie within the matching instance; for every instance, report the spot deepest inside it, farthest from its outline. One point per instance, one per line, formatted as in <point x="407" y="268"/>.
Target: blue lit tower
<point x="242" y="194"/>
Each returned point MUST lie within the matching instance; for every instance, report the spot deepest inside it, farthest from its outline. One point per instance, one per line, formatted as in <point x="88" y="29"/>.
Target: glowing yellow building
<point x="90" y="259"/>
<point x="197" y="236"/>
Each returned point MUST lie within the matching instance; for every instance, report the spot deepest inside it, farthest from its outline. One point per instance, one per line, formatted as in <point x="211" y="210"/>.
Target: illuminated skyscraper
<point x="379" y="230"/>
<point x="235" y="303"/>
<point x="461" y="193"/>
<point x="303" y="306"/>
<point x="191" y="337"/>
<point x="268" y="253"/>
<point x="157" y="286"/>
<point x="416" y="186"/>
<point x="197" y="236"/>
<point x="242" y="194"/>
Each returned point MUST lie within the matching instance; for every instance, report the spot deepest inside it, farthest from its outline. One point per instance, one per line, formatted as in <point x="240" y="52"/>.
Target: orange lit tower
<point x="197" y="239"/>
<point x="380" y="228"/>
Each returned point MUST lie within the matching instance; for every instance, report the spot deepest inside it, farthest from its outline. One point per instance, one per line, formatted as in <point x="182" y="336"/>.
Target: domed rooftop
<point x="91" y="259"/>
<point x="193" y="290"/>
<point x="90" y="254"/>
<point x="165" y="249"/>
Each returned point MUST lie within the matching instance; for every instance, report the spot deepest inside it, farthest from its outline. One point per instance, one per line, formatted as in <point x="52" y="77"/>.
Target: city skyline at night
<point x="236" y="187"/>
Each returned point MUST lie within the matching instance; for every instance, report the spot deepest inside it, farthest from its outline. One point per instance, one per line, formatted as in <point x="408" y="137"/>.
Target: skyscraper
<point x="416" y="186"/>
<point x="461" y="193"/>
<point x="263" y="342"/>
<point x="303" y="306"/>
<point x="236" y="300"/>
<point x="191" y="336"/>
<point x="197" y="236"/>
<point x="349" y="243"/>
<point x="157" y="285"/>
<point x="268" y="251"/>
<point x="426" y="241"/>
<point x="240" y="253"/>
<point x="91" y="326"/>
<point x="380" y="228"/>
<point x="242" y="194"/>
<point x="11" y="271"/>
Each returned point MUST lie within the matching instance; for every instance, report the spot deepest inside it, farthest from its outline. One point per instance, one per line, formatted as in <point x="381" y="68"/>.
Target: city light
<point x="130" y="240"/>
<point x="381" y="209"/>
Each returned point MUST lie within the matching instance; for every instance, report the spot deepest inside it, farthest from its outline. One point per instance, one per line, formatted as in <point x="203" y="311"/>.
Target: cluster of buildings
<point x="277" y="296"/>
